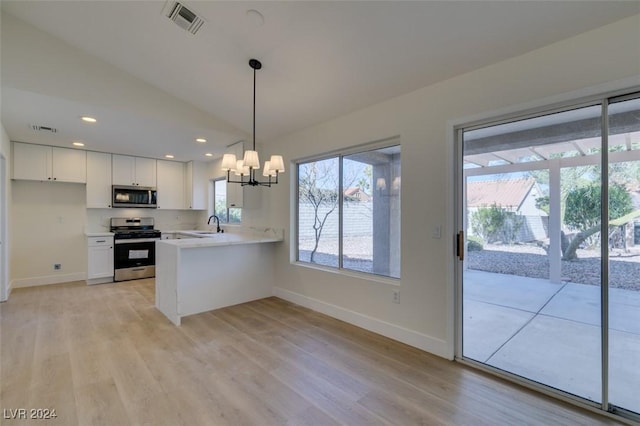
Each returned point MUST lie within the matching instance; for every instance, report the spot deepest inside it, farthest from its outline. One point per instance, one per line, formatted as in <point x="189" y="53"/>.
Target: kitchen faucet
<point x="217" y="221"/>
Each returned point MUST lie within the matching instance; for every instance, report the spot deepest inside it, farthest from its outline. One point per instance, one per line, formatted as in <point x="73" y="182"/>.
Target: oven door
<point x="134" y="259"/>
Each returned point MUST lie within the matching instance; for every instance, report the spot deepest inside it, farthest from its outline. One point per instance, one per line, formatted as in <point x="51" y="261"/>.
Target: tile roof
<point x="503" y="192"/>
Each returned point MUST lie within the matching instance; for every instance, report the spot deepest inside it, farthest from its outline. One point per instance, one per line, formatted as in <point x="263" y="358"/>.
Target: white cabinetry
<point x="98" y="180"/>
<point x="46" y="163"/>
<point x="100" y="259"/>
<point x="134" y="171"/>
<point x="235" y="192"/>
<point x="171" y="185"/>
<point x="196" y="185"/>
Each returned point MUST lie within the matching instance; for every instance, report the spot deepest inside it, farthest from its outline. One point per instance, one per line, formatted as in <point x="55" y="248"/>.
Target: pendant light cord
<point x="254" y="109"/>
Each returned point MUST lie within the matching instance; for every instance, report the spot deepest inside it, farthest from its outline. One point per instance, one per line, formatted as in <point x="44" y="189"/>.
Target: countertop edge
<point x="98" y="234"/>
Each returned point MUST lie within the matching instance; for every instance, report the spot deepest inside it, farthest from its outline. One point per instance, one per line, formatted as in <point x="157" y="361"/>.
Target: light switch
<point x="436" y="232"/>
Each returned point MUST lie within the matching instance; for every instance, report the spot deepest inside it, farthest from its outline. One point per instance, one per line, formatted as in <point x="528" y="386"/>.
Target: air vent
<point x="39" y="128"/>
<point x="184" y="17"/>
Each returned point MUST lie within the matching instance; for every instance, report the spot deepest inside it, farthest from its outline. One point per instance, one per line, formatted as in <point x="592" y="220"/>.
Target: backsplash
<point x="98" y="219"/>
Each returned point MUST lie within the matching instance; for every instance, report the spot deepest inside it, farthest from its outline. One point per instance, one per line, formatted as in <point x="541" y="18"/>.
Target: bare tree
<point x="318" y="185"/>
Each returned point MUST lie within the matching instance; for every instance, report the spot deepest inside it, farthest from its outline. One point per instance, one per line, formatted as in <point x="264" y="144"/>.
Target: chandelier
<point x="247" y="166"/>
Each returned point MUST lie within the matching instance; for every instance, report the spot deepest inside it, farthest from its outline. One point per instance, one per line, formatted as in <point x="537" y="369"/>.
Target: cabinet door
<point x="31" y="162"/>
<point x="123" y="168"/>
<point x="100" y="257"/>
<point x="98" y="180"/>
<point x="196" y="185"/>
<point x="145" y="171"/>
<point x="235" y="192"/>
<point x="69" y="165"/>
<point x="171" y="194"/>
<point x="100" y="262"/>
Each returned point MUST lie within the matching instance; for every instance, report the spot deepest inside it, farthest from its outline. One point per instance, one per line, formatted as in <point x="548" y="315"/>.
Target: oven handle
<point x="137" y="240"/>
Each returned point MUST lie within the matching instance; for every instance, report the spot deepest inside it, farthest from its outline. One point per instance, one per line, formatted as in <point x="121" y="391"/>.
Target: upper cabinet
<point x="171" y="185"/>
<point x="134" y="171"/>
<point x="46" y="163"/>
<point x="196" y="185"/>
<point x="182" y="185"/>
<point x="98" y="180"/>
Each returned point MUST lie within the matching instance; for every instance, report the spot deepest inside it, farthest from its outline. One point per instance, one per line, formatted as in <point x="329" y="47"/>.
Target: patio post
<point x="555" y="222"/>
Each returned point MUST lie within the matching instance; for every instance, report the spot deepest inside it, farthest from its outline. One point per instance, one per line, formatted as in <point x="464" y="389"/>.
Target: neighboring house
<point x="515" y="195"/>
<point x="355" y="193"/>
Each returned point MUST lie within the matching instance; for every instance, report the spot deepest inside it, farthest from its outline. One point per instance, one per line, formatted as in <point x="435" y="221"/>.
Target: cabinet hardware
<point x="101" y="241"/>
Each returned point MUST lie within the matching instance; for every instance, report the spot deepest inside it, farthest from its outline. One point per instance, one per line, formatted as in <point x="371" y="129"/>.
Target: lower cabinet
<point x="100" y="260"/>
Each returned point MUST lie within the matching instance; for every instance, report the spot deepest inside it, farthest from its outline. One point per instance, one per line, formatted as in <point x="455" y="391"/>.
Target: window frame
<point x="340" y="154"/>
<point x="213" y="204"/>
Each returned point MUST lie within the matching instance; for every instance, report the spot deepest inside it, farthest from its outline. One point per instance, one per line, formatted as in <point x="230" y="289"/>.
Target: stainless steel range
<point x="134" y="247"/>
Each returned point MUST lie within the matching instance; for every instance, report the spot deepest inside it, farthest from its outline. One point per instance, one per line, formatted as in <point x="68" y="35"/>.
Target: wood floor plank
<point x="103" y="355"/>
<point x="100" y="404"/>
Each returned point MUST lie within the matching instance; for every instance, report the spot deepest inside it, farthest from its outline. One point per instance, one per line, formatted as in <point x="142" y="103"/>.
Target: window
<point x="348" y="211"/>
<point x="226" y="215"/>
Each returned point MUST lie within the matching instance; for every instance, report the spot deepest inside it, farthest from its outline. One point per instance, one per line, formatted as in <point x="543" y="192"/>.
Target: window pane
<point x="318" y="187"/>
<point x="232" y="215"/>
<point x="220" y="197"/>
<point x="371" y="212"/>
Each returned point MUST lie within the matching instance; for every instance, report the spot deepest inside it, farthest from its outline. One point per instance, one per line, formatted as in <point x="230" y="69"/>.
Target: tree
<point x="318" y="185"/>
<point x="583" y="212"/>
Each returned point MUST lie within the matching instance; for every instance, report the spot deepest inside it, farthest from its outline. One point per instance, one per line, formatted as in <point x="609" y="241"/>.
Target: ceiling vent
<point x="183" y="16"/>
<point x="39" y="128"/>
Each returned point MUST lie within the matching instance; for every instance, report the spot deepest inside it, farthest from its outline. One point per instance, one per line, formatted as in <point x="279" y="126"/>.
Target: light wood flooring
<point x="103" y="355"/>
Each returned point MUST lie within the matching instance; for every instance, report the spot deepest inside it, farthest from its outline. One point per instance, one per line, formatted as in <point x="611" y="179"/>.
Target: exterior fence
<point x="358" y="220"/>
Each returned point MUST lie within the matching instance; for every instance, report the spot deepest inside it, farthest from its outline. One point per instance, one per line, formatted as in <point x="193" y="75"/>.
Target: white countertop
<point x="99" y="234"/>
<point x="251" y="236"/>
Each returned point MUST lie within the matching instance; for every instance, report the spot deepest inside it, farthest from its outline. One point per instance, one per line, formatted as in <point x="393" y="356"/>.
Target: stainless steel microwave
<point x="134" y="197"/>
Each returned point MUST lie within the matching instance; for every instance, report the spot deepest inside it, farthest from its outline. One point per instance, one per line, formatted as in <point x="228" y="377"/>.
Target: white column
<point x="555" y="250"/>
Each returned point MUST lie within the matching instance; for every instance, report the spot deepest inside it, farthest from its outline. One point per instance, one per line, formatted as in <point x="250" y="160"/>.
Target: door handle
<point x="460" y="245"/>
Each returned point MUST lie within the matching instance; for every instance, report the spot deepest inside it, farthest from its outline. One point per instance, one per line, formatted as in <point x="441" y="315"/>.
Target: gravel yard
<point x="519" y="259"/>
<point x="532" y="261"/>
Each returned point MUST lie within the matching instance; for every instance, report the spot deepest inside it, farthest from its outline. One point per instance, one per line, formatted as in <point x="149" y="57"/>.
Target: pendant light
<point x="247" y="166"/>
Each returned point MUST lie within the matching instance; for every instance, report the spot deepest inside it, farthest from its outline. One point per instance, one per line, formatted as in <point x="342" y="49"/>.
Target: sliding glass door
<point x="549" y="281"/>
<point x="624" y="254"/>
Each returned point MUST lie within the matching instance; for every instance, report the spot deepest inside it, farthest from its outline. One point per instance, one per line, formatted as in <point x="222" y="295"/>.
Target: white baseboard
<point x="410" y="337"/>
<point x="49" y="279"/>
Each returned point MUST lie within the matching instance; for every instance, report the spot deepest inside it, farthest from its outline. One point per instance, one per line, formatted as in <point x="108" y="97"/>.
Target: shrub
<point x="474" y="243"/>
<point x="494" y="223"/>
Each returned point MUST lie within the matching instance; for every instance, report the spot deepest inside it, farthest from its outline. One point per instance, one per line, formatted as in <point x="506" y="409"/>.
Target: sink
<point x="205" y="232"/>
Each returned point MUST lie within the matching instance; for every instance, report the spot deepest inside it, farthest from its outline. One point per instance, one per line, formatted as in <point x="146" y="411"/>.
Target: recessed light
<point x="201" y="140"/>
<point x="88" y="119"/>
<point x="169" y="156"/>
<point x="208" y="154"/>
<point x="78" y="144"/>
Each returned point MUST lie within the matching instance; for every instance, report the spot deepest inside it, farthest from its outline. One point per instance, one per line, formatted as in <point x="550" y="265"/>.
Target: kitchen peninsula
<point x="213" y="270"/>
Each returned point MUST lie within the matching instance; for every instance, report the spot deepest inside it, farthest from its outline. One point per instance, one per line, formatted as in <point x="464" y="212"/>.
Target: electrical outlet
<point x="396" y="296"/>
<point x="57" y="266"/>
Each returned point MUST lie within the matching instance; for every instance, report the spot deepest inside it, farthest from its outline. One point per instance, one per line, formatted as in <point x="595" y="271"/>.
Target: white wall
<point x="422" y="119"/>
<point x="48" y="222"/>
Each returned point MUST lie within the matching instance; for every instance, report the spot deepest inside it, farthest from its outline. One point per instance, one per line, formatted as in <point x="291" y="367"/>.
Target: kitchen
<point x="152" y="118"/>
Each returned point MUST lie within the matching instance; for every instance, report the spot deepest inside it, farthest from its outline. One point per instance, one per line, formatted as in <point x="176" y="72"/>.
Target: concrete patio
<point x="551" y="333"/>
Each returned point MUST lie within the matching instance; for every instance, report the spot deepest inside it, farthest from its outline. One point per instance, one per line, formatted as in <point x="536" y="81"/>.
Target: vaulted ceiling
<point x="320" y="60"/>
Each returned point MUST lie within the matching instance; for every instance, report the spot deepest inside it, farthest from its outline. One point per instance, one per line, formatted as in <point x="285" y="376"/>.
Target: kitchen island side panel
<point x="219" y="276"/>
<point x="167" y="259"/>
